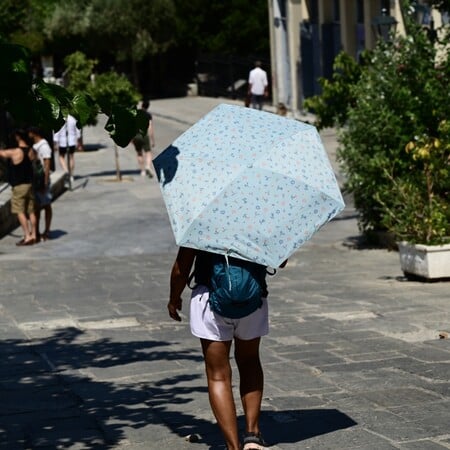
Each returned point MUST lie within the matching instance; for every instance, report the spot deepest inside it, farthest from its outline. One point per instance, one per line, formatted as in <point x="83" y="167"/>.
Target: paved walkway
<point x="91" y="360"/>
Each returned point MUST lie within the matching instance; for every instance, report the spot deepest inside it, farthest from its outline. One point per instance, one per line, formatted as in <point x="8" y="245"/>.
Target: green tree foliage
<point x="394" y="134"/>
<point x="137" y="28"/>
<point x="236" y="27"/>
<point x="111" y="88"/>
<point x="139" y="36"/>
<point x="134" y="28"/>
<point x="418" y="210"/>
<point x="11" y="15"/>
<point x="32" y="101"/>
<point x="79" y="70"/>
<point x="402" y="97"/>
<point x="332" y="105"/>
<point x="78" y="74"/>
<point x="22" y="22"/>
<point x="123" y="28"/>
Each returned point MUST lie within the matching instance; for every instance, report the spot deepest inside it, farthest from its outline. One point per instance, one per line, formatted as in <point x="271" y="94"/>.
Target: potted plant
<point x="419" y="214"/>
<point x="393" y="119"/>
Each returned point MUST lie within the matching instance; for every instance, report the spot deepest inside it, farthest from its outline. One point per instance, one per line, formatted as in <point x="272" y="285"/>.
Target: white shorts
<point x="207" y="324"/>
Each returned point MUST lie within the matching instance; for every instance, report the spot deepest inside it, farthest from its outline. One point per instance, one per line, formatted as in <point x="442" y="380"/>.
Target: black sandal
<point x="254" y="441"/>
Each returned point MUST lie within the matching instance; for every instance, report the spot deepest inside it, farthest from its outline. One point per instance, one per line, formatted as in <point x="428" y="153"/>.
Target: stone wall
<point x="8" y="221"/>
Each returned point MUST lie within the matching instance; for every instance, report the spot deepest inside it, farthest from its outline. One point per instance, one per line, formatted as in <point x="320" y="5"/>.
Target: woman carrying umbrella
<point x="216" y="335"/>
<point x="251" y="185"/>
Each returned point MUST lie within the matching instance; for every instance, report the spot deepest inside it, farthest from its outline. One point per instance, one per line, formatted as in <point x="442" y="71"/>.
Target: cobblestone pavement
<point x="90" y="358"/>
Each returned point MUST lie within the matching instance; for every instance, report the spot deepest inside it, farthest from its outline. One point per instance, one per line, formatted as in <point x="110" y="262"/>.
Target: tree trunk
<point x="116" y="155"/>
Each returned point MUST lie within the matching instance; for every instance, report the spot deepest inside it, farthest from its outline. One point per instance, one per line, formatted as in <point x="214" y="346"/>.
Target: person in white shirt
<point x="258" y="86"/>
<point x="43" y="195"/>
<point x="66" y="140"/>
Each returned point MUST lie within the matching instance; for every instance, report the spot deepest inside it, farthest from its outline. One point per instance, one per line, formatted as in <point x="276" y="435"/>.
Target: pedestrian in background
<point x="143" y="144"/>
<point x="20" y="174"/>
<point x="66" y="141"/>
<point x="258" y="86"/>
<point x="42" y="191"/>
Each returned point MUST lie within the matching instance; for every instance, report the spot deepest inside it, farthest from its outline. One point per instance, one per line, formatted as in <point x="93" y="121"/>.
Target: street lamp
<point x="384" y="24"/>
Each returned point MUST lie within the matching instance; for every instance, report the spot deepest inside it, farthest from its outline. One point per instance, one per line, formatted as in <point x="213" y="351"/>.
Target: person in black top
<point x="144" y="143"/>
<point x="20" y="173"/>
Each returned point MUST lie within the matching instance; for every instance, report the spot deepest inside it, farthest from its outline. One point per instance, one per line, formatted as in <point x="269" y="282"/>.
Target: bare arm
<point x="7" y="153"/>
<point x="14" y="154"/>
<point x="47" y="171"/>
<point x="178" y="280"/>
<point x="151" y="133"/>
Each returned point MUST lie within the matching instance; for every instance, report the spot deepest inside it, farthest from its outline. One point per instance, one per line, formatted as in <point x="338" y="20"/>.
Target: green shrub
<point x="111" y="88"/>
<point x="402" y="96"/>
<point x="79" y="70"/>
<point x="419" y="203"/>
<point x="332" y="105"/>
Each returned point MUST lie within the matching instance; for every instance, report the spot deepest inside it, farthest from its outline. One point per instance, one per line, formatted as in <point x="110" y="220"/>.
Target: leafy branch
<point x="30" y="100"/>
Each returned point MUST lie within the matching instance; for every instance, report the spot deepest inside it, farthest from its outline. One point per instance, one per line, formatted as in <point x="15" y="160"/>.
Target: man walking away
<point x="258" y="86"/>
<point x="144" y="143"/>
<point x="66" y="140"/>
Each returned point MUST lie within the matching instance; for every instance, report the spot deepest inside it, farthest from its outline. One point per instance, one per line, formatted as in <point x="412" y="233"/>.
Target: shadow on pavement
<point x="73" y="390"/>
<point x="106" y="173"/>
<point x="93" y="147"/>
<point x="49" y="399"/>
<point x="56" y="234"/>
<point x="345" y="216"/>
<point x="291" y="426"/>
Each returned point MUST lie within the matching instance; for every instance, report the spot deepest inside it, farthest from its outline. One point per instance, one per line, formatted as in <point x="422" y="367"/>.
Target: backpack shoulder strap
<point x="201" y="274"/>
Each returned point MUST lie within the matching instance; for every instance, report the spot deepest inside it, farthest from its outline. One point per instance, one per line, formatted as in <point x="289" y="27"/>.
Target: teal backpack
<point x="236" y="286"/>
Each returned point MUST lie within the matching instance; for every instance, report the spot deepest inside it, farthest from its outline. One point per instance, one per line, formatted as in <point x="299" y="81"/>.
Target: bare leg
<point x="27" y="235"/>
<point x="148" y="163"/>
<point x="218" y="372"/>
<point x="251" y="380"/>
<point x="62" y="162"/>
<point x="33" y="225"/>
<point x="48" y="218"/>
<point x="72" y="163"/>
<point x="38" y="219"/>
<point x="140" y="159"/>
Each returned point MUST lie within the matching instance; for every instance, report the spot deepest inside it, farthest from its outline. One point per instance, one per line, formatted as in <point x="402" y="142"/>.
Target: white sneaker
<point x="142" y="173"/>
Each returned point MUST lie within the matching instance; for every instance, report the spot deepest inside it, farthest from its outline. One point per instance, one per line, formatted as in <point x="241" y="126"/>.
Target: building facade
<point x="306" y="36"/>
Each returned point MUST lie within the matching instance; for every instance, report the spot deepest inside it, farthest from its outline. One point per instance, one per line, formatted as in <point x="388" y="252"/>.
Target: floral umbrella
<point x="250" y="184"/>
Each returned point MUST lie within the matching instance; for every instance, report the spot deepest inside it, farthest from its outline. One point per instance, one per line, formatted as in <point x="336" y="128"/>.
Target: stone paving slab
<point x="91" y="360"/>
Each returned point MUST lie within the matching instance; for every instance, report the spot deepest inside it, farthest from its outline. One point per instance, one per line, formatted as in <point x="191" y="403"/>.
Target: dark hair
<point x="23" y="135"/>
<point x="36" y="130"/>
<point x="145" y="104"/>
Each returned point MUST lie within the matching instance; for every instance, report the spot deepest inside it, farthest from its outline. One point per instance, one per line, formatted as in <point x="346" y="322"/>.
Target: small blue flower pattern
<point x="248" y="183"/>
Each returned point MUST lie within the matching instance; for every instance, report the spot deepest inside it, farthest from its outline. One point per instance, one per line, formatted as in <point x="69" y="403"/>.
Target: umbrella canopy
<point x="250" y="184"/>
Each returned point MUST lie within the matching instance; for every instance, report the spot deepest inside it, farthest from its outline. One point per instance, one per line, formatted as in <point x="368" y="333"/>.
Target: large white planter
<point x="427" y="261"/>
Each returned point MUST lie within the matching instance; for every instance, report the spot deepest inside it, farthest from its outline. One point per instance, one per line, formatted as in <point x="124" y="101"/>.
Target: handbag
<point x="38" y="180"/>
